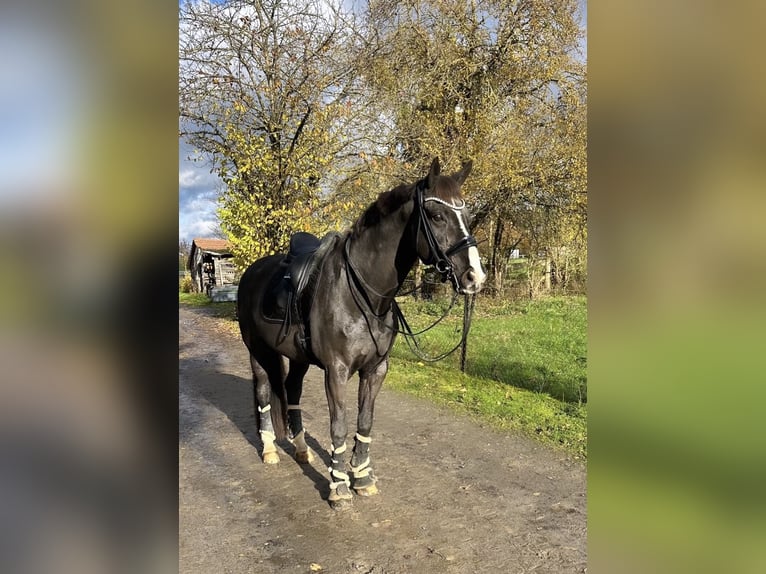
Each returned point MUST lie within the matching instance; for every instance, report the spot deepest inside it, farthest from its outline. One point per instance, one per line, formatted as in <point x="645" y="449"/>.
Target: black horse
<point x="342" y="319"/>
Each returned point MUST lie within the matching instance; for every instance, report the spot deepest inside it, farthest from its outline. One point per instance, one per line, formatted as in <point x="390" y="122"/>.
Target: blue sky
<point x="198" y="188"/>
<point x="197" y="192"/>
<point x="37" y="158"/>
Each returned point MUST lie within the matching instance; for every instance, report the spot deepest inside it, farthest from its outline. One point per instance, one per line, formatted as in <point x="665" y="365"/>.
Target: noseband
<point x="438" y="257"/>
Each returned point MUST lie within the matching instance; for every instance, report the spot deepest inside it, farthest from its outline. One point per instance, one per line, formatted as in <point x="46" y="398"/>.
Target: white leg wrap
<point x="268" y="439"/>
<point x="342" y="478"/>
<point x="340" y="450"/>
<point x="364" y="439"/>
<point x="362" y="470"/>
<point x="300" y="442"/>
<point x="268" y="436"/>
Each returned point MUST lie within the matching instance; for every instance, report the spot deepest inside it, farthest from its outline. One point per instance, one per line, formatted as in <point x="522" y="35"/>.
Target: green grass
<point x="501" y="406"/>
<point x="525" y="367"/>
<point x="194" y="299"/>
<point x="536" y="345"/>
<point x="222" y="309"/>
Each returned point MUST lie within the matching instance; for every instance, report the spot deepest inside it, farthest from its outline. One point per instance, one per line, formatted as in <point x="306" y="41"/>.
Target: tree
<point x="184" y="250"/>
<point x="264" y="91"/>
<point x="309" y="110"/>
<point x="497" y="81"/>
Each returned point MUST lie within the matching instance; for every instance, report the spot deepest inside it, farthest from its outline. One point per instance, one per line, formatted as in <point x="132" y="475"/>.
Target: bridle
<point x="438" y="257"/>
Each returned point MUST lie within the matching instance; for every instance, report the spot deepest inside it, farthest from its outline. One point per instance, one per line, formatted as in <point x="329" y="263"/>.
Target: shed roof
<point x="209" y="244"/>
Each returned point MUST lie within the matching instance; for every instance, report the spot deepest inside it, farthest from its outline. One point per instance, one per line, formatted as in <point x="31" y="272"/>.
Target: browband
<point x="451" y="206"/>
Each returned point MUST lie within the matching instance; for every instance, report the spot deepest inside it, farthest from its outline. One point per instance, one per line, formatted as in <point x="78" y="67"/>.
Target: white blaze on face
<point x="473" y="252"/>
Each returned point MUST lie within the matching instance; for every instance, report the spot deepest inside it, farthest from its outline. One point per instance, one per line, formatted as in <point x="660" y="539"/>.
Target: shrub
<point x="185" y="285"/>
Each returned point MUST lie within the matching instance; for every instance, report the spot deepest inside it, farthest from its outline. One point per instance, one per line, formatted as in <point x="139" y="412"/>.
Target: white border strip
<point x="450" y="205"/>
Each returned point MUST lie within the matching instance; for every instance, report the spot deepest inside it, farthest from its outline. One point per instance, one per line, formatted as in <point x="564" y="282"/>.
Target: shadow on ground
<point x="233" y="396"/>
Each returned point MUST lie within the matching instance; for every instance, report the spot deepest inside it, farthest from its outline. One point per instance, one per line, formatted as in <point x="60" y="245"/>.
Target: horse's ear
<point x="462" y="175"/>
<point x="433" y="172"/>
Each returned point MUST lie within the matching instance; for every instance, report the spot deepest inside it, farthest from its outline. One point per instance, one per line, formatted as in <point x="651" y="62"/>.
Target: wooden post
<point x="418" y="277"/>
<point x="468" y="302"/>
<point x="547" y="275"/>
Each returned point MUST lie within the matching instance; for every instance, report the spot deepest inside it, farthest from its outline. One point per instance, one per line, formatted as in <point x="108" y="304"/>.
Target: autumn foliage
<point x="309" y="108"/>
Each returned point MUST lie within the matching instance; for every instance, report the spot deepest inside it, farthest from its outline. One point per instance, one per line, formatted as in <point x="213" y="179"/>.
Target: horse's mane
<point x="389" y="201"/>
<point x="386" y="203"/>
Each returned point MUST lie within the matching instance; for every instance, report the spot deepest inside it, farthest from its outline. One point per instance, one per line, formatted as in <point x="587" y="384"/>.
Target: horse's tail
<point x="279" y="402"/>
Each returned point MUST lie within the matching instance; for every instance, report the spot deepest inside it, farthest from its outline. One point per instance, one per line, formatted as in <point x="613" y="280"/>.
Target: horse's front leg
<point x="361" y="471"/>
<point x="336" y="377"/>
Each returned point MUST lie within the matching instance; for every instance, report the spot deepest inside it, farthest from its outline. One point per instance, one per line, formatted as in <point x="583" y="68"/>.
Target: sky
<point x="37" y="159"/>
<point x="198" y="188"/>
<point x="197" y="192"/>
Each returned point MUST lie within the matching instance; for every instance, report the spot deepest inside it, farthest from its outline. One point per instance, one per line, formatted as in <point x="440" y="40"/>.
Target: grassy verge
<point x="536" y="345"/>
<point x="224" y="309"/>
<point x="194" y="299"/>
<point x="525" y="367"/>
<point x="501" y="406"/>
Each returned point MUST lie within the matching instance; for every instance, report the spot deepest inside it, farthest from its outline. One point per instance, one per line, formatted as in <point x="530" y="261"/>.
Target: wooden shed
<point x="210" y="264"/>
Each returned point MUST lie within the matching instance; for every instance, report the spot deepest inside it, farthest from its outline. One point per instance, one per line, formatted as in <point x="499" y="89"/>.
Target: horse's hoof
<point x="270" y="458"/>
<point x="371" y="490"/>
<point x="341" y="504"/>
<point x="304" y="456"/>
<point x="340" y="498"/>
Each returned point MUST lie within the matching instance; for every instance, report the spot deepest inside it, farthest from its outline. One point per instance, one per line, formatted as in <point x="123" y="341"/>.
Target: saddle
<point x="287" y="299"/>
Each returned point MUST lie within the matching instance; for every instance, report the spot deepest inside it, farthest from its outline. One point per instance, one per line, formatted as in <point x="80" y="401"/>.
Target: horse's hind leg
<point x="294" y="387"/>
<point x="361" y="471"/>
<point x="265" y="367"/>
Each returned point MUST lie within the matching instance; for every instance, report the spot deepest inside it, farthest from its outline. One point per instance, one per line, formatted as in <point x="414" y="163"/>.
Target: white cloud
<point x="198" y="228"/>
<point x="188" y="178"/>
<point x="197" y="193"/>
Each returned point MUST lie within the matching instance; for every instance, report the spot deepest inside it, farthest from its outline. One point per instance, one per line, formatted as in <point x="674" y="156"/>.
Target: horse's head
<point x="444" y="239"/>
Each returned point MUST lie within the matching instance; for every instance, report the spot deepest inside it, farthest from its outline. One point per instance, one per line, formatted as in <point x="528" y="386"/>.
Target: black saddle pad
<point x="278" y="295"/>
<point x="281" y="302"/>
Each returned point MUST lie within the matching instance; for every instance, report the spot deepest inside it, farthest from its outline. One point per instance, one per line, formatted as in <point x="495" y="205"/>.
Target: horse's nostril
<point x="471" y="276"/>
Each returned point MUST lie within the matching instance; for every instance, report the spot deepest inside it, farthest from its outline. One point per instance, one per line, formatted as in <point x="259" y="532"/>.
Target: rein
<point x="412" y="342"/>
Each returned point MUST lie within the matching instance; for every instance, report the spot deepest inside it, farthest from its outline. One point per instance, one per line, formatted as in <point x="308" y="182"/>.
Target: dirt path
<point x="455" y="497"/>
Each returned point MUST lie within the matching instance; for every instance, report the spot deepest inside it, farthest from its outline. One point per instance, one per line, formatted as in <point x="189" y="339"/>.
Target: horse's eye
<point x="438" y="217"/>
